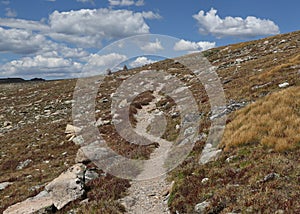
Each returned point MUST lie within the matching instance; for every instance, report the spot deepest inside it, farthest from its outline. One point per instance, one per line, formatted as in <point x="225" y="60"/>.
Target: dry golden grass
<point x="273" y="121"/>
<point x="293" y="61"/>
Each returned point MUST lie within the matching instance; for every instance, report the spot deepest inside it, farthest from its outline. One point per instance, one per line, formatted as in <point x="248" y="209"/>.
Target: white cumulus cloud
<point x="20" y="41"/>
<point x="151" y="15"/>
<point x="98" y="64"/>
<point x="126" y="2"/>
<point x="45" y="57"/>
<point x="83" y="25"/>
<point x="140" y="61"/>
<point x="49" y="44"/>
<point x="152" y="47"/>
<point x="86" y="27"/>
<point x="211" y="23"/>
<point x="24" y="24"/>
<point x="184" y="45"/>
<point x="39" y="64"/>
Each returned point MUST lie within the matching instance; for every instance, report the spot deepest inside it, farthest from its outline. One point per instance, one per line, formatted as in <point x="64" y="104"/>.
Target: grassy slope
<point x="273" y="121"/>
<point x="260" y="139"/>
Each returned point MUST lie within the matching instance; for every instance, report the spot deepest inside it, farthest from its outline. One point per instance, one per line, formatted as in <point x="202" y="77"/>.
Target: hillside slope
<point x="260" y="175"/>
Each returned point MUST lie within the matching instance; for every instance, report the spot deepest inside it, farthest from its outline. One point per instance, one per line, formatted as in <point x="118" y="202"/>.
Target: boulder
<point x="68" y="187"/>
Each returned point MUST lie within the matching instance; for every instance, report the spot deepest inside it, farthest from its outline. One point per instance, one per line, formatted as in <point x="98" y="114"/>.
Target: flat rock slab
<point x="37" y="203"/>
<point x="67" y="187"/>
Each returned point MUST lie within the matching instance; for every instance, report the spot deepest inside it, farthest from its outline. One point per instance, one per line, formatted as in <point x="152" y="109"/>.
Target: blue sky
<point x="58" y="38"/>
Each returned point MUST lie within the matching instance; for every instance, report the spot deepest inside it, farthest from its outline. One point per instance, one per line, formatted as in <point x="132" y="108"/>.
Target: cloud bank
<point x="56" y="43"/>
<point x="211" y="23"/>
<point x="184" y="45"/>
<point x="137" y="3"/>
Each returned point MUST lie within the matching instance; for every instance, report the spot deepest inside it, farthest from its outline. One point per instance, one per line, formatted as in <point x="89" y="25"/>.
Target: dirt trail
<point x="148" y="193"/>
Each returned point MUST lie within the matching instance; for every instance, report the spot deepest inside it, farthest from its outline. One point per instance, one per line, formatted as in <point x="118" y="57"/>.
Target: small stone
<point x="24" y="164"/>
<point x="201" y="208"/>
<point x="282" y="41"/>
<point x="270" y="177"/>
<point x="101" y="122"/>
<point x="67" y="102"/>
<point x="229" y="159"/>
<point x="104" y="100"/>
<point x="7" y="123"/>
<point x="209" y="154"/>
<point x="284" y="85"/>
<point x="34" y="188"/>
<point x="175" y="114"/>
<point x="4" y="185"/>
<point x="70" y="129"/>
<point x="226" y="81"/>
<point x="279" y="212"/>
<point x="204" y="180"/>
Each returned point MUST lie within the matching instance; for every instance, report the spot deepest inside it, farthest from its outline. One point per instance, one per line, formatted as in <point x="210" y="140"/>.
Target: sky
<point x="56" y="39"/>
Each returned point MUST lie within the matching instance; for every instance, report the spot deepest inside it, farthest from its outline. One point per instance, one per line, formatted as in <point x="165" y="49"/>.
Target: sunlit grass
<point x="273" y="122"/>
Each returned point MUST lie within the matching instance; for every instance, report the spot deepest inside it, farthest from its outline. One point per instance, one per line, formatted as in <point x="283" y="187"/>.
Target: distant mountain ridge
<point x="19" y="80"/>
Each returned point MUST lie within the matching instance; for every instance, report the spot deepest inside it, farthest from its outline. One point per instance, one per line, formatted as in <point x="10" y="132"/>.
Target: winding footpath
<point x="149" y="191"/>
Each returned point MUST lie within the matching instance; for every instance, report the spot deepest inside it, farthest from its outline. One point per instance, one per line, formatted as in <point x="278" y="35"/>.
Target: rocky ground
<point x="36" y="152"/>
